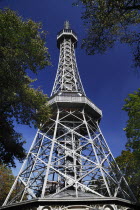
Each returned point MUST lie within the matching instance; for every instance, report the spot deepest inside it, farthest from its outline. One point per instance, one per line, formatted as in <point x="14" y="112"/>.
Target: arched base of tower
<point x="74" y="204"/>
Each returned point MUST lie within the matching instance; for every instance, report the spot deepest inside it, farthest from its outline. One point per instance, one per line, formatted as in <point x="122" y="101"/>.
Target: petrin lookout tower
<point x="69" y="165"/>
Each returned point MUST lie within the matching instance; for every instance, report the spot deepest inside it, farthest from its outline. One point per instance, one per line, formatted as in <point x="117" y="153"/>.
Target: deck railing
<point x="68" y="32"/>
<point x="75" y="99"/>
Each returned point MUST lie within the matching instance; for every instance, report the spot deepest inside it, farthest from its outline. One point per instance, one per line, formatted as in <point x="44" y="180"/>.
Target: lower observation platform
<point x="87" y="203"/>
<point x="76" y="101"/>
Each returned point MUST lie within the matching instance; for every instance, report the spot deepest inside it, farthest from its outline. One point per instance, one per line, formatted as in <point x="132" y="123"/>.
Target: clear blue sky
<point x="107" y="79"/>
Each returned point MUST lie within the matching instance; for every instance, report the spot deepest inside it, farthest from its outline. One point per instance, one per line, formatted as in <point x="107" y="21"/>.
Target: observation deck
<point x="72" y="100"/>
<point x="67" y="33"/>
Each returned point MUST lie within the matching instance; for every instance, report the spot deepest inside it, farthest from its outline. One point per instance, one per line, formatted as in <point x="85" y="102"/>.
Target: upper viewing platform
<point x="67" y="32"/>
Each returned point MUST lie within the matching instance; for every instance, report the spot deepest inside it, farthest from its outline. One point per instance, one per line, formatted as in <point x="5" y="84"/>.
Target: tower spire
<point x="66" y="24"/>
<point x="67" y="77"/>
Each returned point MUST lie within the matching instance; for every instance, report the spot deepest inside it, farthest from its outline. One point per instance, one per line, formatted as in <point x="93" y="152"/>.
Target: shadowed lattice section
<point x="69" y="157"/>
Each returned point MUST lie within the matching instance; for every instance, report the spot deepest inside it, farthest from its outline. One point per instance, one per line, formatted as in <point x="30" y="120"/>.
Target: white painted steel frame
<point x="67" y="76"/>
<point x="69" y="154"/>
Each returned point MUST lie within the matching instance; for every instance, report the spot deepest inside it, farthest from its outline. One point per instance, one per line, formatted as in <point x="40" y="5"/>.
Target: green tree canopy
<point x="22" y="48"/>
<point x="129" y="160"/>
<point x="6" y="181"/>
<point x="130" y="168"/>
<point x="132" y="107"/>
<point x="108" y="21"/>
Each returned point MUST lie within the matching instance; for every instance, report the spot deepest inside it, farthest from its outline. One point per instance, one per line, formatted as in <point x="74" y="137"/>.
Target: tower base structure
<point x="87" y="203"/>
<point x="74" y="125"/>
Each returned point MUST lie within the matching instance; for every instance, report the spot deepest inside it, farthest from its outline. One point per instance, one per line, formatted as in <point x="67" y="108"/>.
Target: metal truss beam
<point x="69" y="157"/>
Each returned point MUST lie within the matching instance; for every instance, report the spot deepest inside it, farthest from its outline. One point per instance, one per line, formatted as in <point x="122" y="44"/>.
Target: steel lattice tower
<point x="69" y="158"/>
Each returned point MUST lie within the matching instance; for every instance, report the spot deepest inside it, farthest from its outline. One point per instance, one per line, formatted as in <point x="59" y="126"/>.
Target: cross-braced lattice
<point x="67" y="77"/>
<point x="69" y="157"/>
